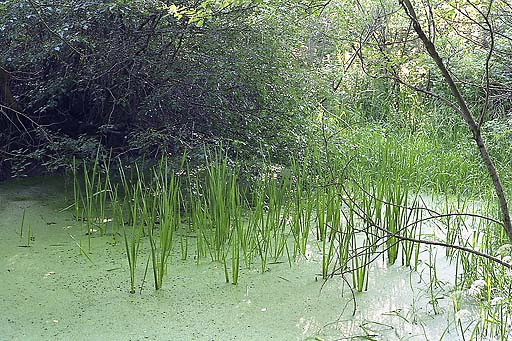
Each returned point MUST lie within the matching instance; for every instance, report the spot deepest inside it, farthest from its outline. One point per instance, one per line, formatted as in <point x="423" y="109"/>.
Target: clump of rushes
<point x="132" y="234"/>
<point x="329" y="227"/>
<point x="169" y="212"/>
<point x="221" y="200"/>
<point x="304" y="207"/>
<point x="360" y="265"/>
<point x="354" y="224"/>
<point x="393" y="219"/>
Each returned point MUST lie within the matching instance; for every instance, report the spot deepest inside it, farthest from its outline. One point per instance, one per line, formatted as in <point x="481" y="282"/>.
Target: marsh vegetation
<point x="353" y="219"/>
<point x="359" y="148"/>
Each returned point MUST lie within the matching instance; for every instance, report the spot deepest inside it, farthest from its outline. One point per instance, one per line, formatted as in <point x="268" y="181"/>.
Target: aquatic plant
<point x="283" y="213"/>
<point x="132" y="234"/>
<point x="360" y="265"/>
<point x="22" y="225"/>
<point x="169" y="205"/>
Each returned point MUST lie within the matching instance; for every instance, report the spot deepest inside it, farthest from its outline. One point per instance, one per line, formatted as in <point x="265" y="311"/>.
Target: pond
<point x="50" y="291"/>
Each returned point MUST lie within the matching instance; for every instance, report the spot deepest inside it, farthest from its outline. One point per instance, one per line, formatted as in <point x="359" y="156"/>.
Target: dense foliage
<point x="145" y="78"/>
<point x="131" y="76"/>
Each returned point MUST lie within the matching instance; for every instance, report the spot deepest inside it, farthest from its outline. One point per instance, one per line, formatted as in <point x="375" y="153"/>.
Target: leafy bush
<point x="138" y="80"/>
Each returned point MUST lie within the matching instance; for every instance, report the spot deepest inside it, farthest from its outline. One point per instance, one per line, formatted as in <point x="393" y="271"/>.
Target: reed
<point x="360" y="266"/>
<point x="76" y="189"/>
<point x="170" y="219"/>
<point x="22" y="225"/>
<point x="237" y="239"/>
<point x="330" y="230"/>
<point x="236" y="242"/>
<point x="132" y="230"/>
<point x="30" y="237"/>
<point x="101" y="195"/>
<point x="303" y="207"/>
<point x="260" y="226"/>
<point x="277" y="215"/>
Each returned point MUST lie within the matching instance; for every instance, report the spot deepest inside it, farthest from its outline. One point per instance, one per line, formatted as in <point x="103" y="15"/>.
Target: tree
<point x="462" y="108"/>
<point x="142" y="79"/>
<point x="472" y="37"/>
